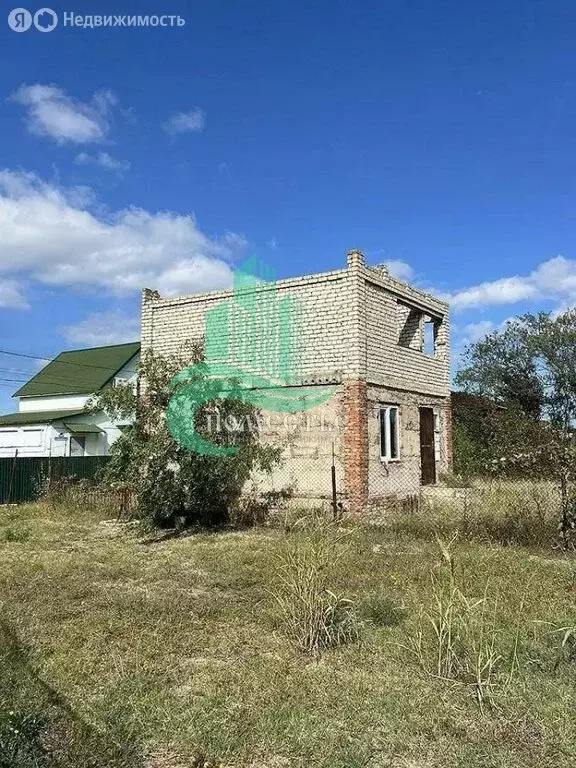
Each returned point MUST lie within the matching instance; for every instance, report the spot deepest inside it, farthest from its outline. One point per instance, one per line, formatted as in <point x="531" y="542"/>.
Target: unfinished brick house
<point x="382" y="347"/>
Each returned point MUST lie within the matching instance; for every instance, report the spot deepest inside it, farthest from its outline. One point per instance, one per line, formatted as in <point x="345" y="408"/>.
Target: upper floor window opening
<point x="417" y="330"/>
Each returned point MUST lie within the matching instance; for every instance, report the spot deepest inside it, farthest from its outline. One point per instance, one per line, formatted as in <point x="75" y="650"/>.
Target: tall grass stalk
<point x="462" y="644"/>
<point x="314" y="617"/>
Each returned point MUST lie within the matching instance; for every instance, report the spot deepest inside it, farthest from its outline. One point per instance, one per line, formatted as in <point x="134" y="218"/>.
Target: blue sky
<point x="438" y="137"/>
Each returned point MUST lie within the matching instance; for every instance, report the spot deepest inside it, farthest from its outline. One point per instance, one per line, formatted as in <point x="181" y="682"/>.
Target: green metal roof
<point x="36" y="417"/>
<point x="79" y="371"/>
<point x="81" y="428"/>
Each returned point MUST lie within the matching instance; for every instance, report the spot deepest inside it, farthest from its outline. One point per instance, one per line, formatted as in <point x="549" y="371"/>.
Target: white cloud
<point x="475" y="331"/>
<point x="62" y="237"/>
<point x="565" y="306"/>
<point x="557" y="274"/>
<point x="400" y="269"/>
<point x="506" y="290"/>
<point x="553" y="279"/>
<point x="186" y="122"/>
<point x="11" y="295"/>
<point x="51" y="112"/>
<point x="102" y="159"/>
<point x="114" y="327"/>
<point x="470" y="333"/>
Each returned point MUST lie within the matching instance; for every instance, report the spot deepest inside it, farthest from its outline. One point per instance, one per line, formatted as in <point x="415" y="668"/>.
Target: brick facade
<point x="355" y="444"/>
<point x="361" y="331"/>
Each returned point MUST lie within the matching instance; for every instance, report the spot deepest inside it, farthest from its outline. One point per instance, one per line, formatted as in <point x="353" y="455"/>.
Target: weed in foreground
<point x="313" y="616"/>
<point x="381" y="610"/>
<point x="16" y="534"/>
<point x="457" y="639"/>
<point x="565" y="653"/>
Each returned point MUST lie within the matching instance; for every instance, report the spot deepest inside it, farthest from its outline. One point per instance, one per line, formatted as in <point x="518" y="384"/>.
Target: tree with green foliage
<point x="174" y="486"/>
<point x="474" y="424"/>
<point x="529" y="368"/>
<point x="502" y="368"/>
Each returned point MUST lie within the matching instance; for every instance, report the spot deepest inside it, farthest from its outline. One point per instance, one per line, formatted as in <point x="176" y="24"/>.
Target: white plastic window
<point x="389" y="433"/>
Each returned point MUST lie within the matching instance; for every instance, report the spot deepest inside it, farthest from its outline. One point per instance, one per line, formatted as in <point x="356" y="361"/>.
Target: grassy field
<point x="120" y="652"/>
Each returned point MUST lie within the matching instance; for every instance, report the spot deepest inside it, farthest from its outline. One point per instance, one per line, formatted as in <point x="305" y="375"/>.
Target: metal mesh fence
<point x="324" y="462"/>
<point x="507" y="511"/>
<point x="386" y="456"/>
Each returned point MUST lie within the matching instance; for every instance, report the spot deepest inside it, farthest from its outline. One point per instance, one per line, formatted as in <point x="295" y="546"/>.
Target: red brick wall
<point x="356" y="445"/>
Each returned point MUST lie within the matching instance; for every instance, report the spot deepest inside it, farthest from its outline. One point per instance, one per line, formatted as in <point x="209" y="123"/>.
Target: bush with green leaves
<point x="176" y="487"/>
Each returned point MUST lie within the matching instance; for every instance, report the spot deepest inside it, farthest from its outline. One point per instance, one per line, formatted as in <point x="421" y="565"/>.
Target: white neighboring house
<point x="51" y="419"/>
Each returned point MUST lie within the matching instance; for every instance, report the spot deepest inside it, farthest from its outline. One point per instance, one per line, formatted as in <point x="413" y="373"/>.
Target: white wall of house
<point x="129" y="372"/>
<point x="54" y="440"/>
<point x="52" y="403"/>
<point x="33" y="440"/>
<point x="71" y="402"/>
<point x="29" y="441"/>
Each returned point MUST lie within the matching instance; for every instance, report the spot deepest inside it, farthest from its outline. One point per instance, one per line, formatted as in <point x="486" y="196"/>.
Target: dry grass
<point x="172" y="654"/>
<point x="508" y="513"/>
<point x="458" y="638"/>
<point x="314" y="618"/>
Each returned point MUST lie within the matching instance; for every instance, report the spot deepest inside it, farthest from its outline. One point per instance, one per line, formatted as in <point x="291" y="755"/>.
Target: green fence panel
<point x="22" y="478"/>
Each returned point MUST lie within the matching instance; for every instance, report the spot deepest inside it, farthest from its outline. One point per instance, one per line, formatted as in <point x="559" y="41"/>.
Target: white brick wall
<point x="307" y="440"/>
<point x="322" y="320"/>
<point x="390" y="364"/>
<point x="347" y="327"/>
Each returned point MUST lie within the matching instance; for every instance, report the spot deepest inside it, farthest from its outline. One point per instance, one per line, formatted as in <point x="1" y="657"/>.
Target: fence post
<point x="334" y="499"/>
